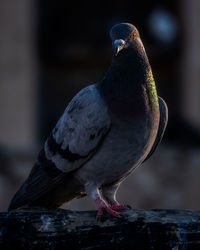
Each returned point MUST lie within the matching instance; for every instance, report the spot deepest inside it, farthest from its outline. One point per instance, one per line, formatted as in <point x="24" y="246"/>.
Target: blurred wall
<point x="18" y="94"/>
<point x="17" y="74"/>
<point x="49" y="51"/>
<point x="191" y="61"/>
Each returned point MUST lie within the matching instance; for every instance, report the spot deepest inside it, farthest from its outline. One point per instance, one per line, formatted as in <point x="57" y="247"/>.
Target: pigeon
<point x="107" y="130"/>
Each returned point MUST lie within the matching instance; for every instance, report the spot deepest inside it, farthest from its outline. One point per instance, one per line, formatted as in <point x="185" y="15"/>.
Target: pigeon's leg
<point x="102" y="205"/>
<point x="109" y="193"/>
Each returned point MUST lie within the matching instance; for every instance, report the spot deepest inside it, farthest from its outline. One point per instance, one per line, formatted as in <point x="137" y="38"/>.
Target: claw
<point x="120" y="207"/>
<point x="103" y="206"/>
<point x="109" y="210"/>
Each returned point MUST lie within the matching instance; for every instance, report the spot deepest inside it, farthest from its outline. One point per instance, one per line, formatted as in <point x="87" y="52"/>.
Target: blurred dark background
<point x="50" y="50"/>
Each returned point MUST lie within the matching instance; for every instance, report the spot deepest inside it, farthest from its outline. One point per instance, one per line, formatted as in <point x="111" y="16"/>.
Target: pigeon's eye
<point x="132" y="35"/>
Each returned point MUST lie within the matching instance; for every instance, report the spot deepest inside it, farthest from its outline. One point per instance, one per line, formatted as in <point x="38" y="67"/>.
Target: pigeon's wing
<point x="73" y="141"/>
<point x="79" y="131"/>
<point x="162" y="126"/>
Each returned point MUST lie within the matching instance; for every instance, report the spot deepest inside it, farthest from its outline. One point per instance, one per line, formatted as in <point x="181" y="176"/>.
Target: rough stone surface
<point x="64" y="229"/>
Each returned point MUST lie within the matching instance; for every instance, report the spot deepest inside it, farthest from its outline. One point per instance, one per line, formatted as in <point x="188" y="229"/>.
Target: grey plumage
<point x="162" y="125"/>
<point x="108" y="129"/>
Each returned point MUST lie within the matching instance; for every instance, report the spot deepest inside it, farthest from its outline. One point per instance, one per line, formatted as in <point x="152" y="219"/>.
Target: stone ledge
<point x="65" y="229"/>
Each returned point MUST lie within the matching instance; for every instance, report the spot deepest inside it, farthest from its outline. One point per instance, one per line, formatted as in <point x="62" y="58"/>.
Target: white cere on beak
<point x="118" y="45"/>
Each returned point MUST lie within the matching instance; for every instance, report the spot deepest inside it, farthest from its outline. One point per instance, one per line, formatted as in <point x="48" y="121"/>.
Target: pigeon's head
<point x="126" y="40"/>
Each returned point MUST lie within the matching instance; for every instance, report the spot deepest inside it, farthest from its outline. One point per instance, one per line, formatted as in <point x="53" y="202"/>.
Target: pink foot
<point x="103" y="206"/>
<point x="120" y="207"/>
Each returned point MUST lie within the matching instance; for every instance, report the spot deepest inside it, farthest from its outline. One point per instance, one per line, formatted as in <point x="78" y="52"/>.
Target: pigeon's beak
<point x="118" y="45"/>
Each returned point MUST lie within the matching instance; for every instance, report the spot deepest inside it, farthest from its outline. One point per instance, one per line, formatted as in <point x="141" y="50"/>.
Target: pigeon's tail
<point x="16" y="201"/>
<point x="38" y="183"/>
<point x="47" y="186"/>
